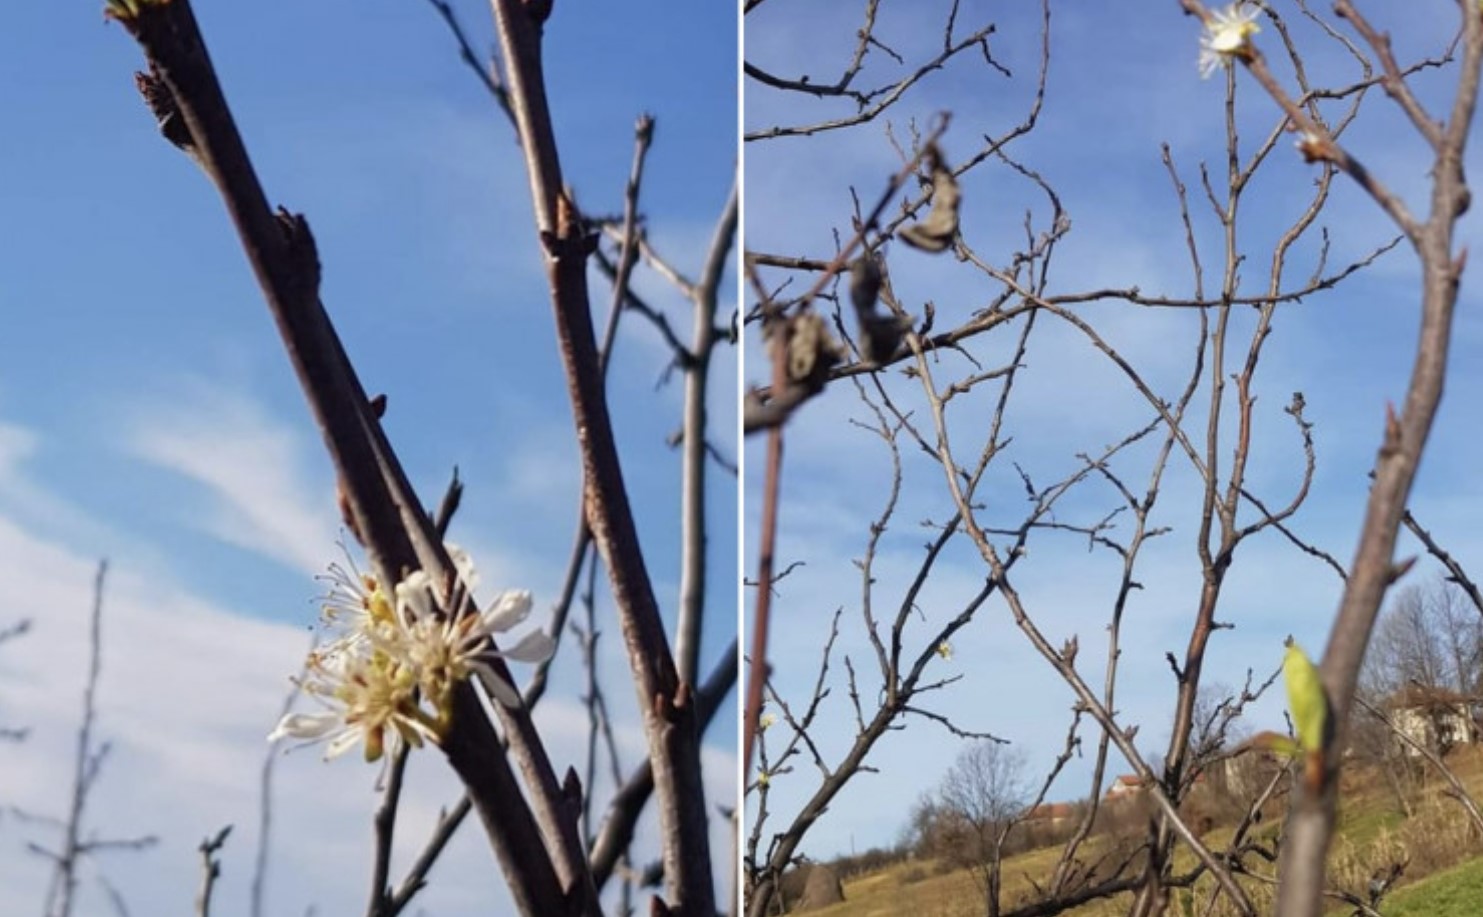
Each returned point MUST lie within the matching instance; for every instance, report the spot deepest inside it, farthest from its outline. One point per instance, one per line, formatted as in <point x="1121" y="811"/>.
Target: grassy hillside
<point x="1455" y="892"/>
<point x="1373" y="833"/>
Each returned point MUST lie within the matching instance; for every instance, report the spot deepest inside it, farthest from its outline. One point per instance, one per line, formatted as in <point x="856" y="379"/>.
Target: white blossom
<point x="1227" y="35"/>
<point x="388" y="675"/>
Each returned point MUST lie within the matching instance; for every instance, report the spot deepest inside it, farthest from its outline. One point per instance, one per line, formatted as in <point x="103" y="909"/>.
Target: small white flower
<point x="354" y="606"/>
<point x="945" y="650"/>
<point x="464" y="564"/>
<point x="1227" y="35"/>
<point x="370" y="700"/>
<point x="388" y="676"/>
<point x="1314" y="147"/>
<point x="765" y="721"/>
<point x="444" y="650"/>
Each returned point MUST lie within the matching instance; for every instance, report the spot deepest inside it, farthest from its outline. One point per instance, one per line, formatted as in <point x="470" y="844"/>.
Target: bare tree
<point x="80" y="846"/>
<point x="1462" y="634"/>
<point x="1412" y="643"/>
<point x="1217" y="725"/>
<point x="984" y="795"/>
<point x="18" y="629"/>
<point x="210" y="850"/>
<point x="1374" y="569"/>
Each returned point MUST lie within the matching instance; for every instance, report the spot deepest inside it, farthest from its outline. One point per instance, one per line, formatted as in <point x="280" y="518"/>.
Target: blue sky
<point x="1122" y="82"/>
<point x="148" y="414"/>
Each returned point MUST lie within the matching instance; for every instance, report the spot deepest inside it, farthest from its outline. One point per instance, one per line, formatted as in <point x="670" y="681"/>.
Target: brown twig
<point x="488" y="73"/>
<point x="705" y="295"/>
<point x="85" y="763"/>
<point x="210" y="849"/>
<point x="1455" y="573"/>
<point x="665" y="701"/>
<point x="265" y="804"/>
<point x="623" y="810"/>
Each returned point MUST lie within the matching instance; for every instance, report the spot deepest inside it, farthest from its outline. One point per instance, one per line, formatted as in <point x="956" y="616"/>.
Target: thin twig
<point x="65" y="880"/>
<point x="210" y="869"/>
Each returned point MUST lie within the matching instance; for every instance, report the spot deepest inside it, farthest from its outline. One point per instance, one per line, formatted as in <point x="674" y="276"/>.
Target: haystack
<point x="822" y="889"/>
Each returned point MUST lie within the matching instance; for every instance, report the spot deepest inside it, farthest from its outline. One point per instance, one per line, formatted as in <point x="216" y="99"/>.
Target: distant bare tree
<point x="984" y="795"/>
<point x="81" y="846"/>
<point x="1217" y="726"/>
<point x="18" y="629"/>
<point x="1427" y="654"/>
<point x="1462" y="635"/>
<point x="1411" y="643"/>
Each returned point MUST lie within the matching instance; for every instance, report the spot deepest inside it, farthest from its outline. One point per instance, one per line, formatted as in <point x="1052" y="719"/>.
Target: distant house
<point x="1243" y="775"/>
<point x="1433" y="718"/>
<point x="1051" y="813"/>
<point x="1128" y="786"/>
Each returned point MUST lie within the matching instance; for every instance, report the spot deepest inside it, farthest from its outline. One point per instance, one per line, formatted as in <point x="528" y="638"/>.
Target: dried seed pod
<point x="811" y="350"/>
<point x="936" y="232"/>
<point x="880" y="336"/>
<point x="865" y="284"/>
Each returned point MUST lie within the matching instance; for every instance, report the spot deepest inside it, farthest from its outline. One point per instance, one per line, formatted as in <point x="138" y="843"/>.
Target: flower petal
<point x="464" y="564"/>
<point x="414" y="595"/>
<point x="508" y="609"/>
<point x="304" y="726"/>
<point x="533" y="647"/>
<point x="341" y="744"/>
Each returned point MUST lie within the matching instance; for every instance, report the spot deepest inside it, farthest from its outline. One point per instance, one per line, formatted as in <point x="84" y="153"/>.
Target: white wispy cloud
<point x="21" y="450"/>
<point x="251" y="465"/>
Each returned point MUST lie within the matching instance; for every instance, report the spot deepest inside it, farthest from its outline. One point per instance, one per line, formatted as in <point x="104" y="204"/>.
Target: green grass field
<point x="1455" y="892"/>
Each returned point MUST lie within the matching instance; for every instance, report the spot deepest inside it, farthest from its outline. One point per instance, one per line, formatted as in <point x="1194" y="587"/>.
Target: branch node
<point x="1068" y="651"/>
<point x="1400" y="568"/>
<point x="302" y="250"/>
<point x="166" y="111"/>
<point x="657" y="908"/>
<point x="1174" y="665"/>
<point x="1392" y="444"/>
